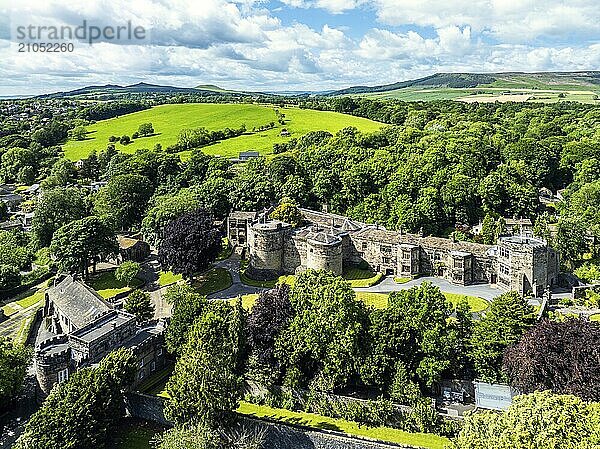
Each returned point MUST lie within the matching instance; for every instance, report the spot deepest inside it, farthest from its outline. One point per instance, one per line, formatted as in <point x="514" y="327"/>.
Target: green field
<point x="167" y="278"/>
<point x="358" y="277"/>
<point x="423" y="440"/>
<point x="168" y="120"/>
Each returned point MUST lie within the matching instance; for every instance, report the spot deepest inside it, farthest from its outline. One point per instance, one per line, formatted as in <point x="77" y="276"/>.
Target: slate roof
<point x="78" y="302"/>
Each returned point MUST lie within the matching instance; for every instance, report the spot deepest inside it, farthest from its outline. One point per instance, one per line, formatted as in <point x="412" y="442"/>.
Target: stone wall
<point x="324" y="257"/>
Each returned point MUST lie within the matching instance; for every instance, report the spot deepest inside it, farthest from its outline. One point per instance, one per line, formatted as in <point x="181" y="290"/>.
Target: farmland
<point x="169" y="120"/>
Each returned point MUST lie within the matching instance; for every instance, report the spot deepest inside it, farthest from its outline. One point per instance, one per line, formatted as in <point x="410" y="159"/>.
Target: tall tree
<point x="138" y="303"/>
<point x="187" y="307"/>
<point x="323" y="346"/>
<point x="123" y="200"/>
<point x="270" y="314"/>
<point x="80" y="243"/>
<point x="14" y="360"/>
<point x="56" y="208"/>
<point x="190" y="243"/>
<point x="507" y="318"/>
<point x="560" y="356"/>
<point x="414" y="329"/>
<point x="205" y="386"/>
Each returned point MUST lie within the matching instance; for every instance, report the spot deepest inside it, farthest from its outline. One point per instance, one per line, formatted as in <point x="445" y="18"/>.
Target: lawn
<point x="108" y="286"/>
<point x="358" y="277"/>
<point x="212" y="281"/>
<point x="322" y="422"/>
<point x="595" y="317"/>
<point x="168" y="120"/>
<point x="476" y="304"/>
<point x="399" y="280"/>
<point x="30" y="300"/>
<point x="376" y="300"/>
<point x="168" y="278"/>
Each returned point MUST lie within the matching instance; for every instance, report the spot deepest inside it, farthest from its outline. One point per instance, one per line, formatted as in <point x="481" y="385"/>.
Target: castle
<point x="331" y="242"/>
<point x="85" y="329"/>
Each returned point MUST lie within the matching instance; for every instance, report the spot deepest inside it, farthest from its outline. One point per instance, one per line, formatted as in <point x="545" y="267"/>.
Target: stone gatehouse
<point x="331" y="242"/>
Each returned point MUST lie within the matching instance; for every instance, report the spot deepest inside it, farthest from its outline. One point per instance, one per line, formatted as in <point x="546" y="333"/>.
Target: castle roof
<point x="78" y="302"/>
<point x="323" y="237"/>
<point x="103" y="325"/>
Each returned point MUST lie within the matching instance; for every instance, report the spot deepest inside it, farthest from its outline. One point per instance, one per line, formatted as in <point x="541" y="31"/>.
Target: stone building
<point x="132" y="248"/>
<point x="86" y="329"/>
<point x="331" y="242"/>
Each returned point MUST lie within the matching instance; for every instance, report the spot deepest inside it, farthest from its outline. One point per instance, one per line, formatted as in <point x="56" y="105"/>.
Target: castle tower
<point x="324" y="252"/>
<point x="266" y="241"/>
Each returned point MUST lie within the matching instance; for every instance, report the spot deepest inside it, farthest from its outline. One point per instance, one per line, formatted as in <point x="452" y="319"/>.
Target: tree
<point x="138" y="303"/>
<point x="323" y="346"/>
<point x="124" y="199"/>
<point x="270" y="314"/>
<point x="81" y="412"/>
<point x="190" y="243"/>
<point x="535" y="421"/>
<point x="127" y="272"/>
<point x="164" y="209"/>
<point x="145" y="129"/>
<point x="78" y="133"/>
<point x="125" y="140"/>
<point x="205" y="386"/>
<point x="81" y="242"/>
<point x="288" y="212"/>
<point x="198" y="436"/>
<point x="507" y="318"/>
<point x="413" y="329"/>
<point x="56" y="208"/>
<point x="10" y="277"/>
<point x="14" y="360"/>
<point x="570" y="240"/>
<point x="558" y="356"/>
<point x="187" y="307"/>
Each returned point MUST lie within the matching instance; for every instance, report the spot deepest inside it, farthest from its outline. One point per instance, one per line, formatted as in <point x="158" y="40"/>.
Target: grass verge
<point x="314" y="421"/>
<point x="168" y="277"/>
<point x="477" y="304"/>
<point x="358" y="277"/>
<point x="212" y="281"/>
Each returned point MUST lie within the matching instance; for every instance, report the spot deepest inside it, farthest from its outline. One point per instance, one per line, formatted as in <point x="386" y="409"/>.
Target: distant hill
<point x="523" y="80"/>
<point x="116" y="90"/>
<point x="510" y="86"/>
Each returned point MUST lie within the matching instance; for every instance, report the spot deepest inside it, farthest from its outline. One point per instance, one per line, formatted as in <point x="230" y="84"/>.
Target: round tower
<point x="324" y="252"/>
<point x="266" y="241"/>
<point x="52" y="362"/>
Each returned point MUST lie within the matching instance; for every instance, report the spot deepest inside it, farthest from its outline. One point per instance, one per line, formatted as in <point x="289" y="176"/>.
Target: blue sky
<point x="297" y="44"/>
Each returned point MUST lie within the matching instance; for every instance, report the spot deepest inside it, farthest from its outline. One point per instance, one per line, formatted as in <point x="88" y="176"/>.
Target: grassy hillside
<point x="168" y="120"/>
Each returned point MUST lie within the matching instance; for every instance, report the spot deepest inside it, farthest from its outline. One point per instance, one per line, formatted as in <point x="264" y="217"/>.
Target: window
<point x="406" y="255"/>
<point x="386" y="260"/>
<point x="159" y="352"/>
<point x="386" y="249"/>
<point x="142" y="363"/>
<point x="458" y="263"/>
<point x="153" y="365"/>
<point x="504" y="270"/>
<point x="405" y="269"/>
<point x="364" y="246"/>
<point x="505" y="253"/>
<point x="63" y="375"/>
<point x="141" y="374"/>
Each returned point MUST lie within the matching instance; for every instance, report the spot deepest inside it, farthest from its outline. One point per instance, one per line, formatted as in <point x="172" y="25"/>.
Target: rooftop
<point x="103" y="325"/>
<point x="77" y="301"/>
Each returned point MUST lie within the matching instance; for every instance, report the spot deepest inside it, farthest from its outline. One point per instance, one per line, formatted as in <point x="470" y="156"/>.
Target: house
<point x="247" y="155"/>
<point x="85" y="329"/>
<point x="131" y="248"/>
